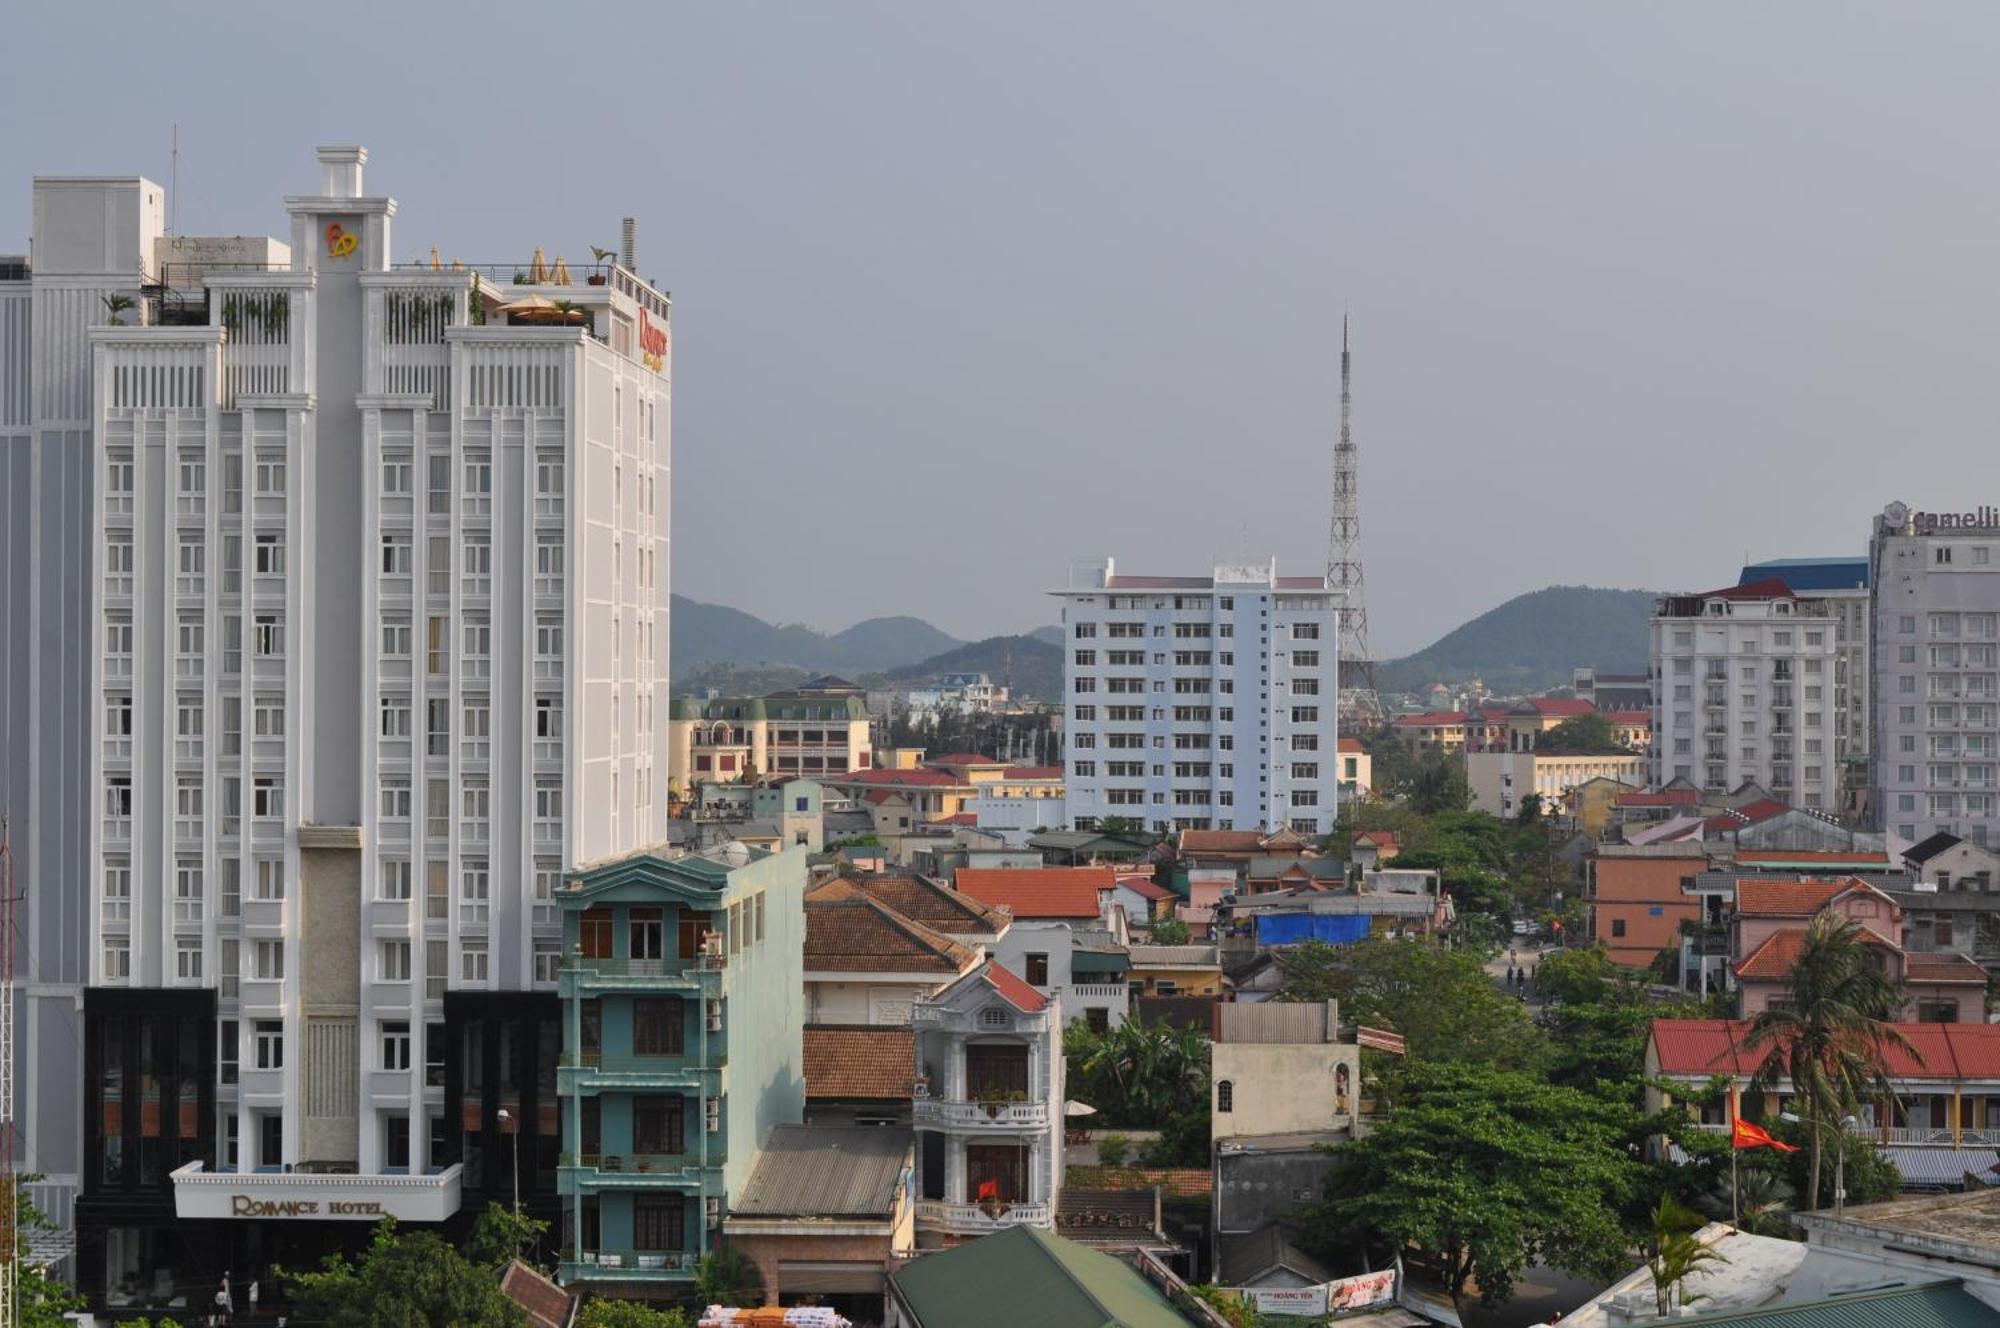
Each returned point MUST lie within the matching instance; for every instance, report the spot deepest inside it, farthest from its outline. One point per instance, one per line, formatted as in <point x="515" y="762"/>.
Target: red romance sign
<point x="652" y="343"/>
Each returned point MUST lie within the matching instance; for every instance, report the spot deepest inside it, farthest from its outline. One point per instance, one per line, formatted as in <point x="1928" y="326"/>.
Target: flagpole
<point x="1735" y="1207"/>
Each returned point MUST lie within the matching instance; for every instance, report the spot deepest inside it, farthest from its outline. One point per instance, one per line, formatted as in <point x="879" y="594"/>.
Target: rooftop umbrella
<point x="437" y="264"/>
<point x="1075" y="1108"/>
<point x="559" y="276"/>
<point x="538" y="268"/>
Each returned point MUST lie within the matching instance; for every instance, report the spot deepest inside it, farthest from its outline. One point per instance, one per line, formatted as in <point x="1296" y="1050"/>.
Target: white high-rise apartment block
<point x="371" y="620"/>
<point x="1201" y="702"/>
<point x="1743" y="686"/>
<point x="1935" y="748"/>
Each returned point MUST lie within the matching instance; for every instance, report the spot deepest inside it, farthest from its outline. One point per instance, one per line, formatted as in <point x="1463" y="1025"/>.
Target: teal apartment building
<point x="683" y="1005"/>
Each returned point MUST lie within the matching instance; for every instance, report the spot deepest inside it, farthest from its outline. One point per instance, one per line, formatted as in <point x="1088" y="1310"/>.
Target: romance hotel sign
<point x="253" y="1196"/>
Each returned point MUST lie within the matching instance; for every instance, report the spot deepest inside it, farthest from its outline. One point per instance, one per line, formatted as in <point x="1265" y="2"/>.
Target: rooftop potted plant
<point x="602" y="257"/>
<point x="115" y="308"/>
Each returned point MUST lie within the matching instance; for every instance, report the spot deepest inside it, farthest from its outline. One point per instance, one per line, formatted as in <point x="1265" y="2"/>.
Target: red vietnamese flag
<point x="988" y="1189"/>
<point x="1746" y="1135"/>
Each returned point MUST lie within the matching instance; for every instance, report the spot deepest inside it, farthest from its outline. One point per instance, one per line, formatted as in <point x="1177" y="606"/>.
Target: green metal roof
<point x="1945" y="1304"/>
<point x="1027" y="1276"/>
<point x="1098" y="961"/>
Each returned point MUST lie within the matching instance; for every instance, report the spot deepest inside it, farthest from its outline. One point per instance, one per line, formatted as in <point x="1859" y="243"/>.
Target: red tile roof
<point x="1037" y="892"/>
<point x="1564" y="706"/>
<point x="1663" y="798"/>
<point x="1430" y="719"/>
<point x="1770" y="587"/>
<point x="1704" y="1047"/>
<point x="898" y="778"/>
<point x="1221" y="841"/>
<point x="878" y="796"/>
<point x="1750" y="813"/>
<point x="1351" y="745"/>
<point x="1756" y="855"/>
<point x="1145" y="888"/>
<point x="956" y="818"/>
<point x="1033" y="772"/>
<point x="1776" y="957"/>
<point x="848" y="930"/>
<point x="1785" y="899"/>
<point x="1633" y="719"/>
<point x="875" y="1063"/>
<point x="1017" y="993"/>
<point x="1379" y="838"/>
<point x="963" y="758"/>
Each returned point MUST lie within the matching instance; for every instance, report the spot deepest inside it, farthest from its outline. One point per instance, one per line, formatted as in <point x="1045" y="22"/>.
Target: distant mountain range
<point x="707" y="635"/>
<point x="1530" y="643"/>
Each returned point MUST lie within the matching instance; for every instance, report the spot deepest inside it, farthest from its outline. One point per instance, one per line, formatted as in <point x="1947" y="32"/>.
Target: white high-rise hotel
<point x="1201" y="702"/>
<point x="373" y="616"/>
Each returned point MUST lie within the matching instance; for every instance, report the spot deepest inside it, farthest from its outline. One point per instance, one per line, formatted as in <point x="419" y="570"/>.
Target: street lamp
<point x="1841" y="1128"/>
<point x="507" y="1117"/>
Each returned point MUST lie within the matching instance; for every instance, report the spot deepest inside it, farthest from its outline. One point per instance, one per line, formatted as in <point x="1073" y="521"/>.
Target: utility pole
<point x="10" y="1201"/>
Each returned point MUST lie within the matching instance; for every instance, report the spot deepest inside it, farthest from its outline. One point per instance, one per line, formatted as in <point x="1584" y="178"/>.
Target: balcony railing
<point x="982" y="1115"/>
<point x="972" y="1217"/>
<point x="703" y="971"/>
<point x="627" y="1265"/>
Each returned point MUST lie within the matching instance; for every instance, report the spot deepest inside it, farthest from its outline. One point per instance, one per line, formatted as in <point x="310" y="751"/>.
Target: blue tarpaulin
<point x="1293" y="928"/>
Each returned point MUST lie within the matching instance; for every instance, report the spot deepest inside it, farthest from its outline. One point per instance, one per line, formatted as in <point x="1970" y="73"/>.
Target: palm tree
<point x="1831" y="1035"/>
<point x="1677" y="1253"/>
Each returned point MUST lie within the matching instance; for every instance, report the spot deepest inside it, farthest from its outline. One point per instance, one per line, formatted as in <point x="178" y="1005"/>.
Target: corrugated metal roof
<point x="826" y="1171"/>
<point x="1945" y="1304"/>
<point x="1282" y="1022"/>
<point x="1021" y="1275"/>
<point x="1941" y="1166"/>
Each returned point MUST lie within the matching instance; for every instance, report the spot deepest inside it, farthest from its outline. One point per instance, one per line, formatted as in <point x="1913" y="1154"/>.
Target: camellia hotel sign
<point x="1929" y="523"/>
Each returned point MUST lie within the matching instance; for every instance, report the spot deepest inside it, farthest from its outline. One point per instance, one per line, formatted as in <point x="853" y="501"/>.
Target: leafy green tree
<point x="1831" y="1035"/>
<point x="1443" y="1004"/>
<point x="726" y="1276"/>
<point x="1676" y="1254"/>
<point x="402" y="1281"/>
<point x="601" y="1313"/>
<point x="1235" y="1308"/>
<point x="1601" y="1048"/>
<point x="42" y="1300"/>
<point x="1585" y="975"/>
<point x="1438" y="784"/>
<point x="1172" y="931"/>
<point x="1580" y="735"/>
<point x="1487" y="1170"/>
<point x="1139" y="1075"/>
<point x="1313" y="971"/>
<point x="1113" y="1149"/>
<point x="501" y="1233"/>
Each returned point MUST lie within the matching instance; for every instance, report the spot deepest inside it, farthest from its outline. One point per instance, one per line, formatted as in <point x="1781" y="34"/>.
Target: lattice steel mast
<point x="10" y="1180"/>
<point x="1343" y="567"/>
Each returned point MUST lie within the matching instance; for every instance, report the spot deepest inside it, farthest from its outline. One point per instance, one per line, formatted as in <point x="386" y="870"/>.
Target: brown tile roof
<point x="1942" y="966"/>
<point x="926" y="901"/>
<point x="1181" y="1182"/>
<point x="1785" y="899"/>
<point x="849" y="931"/>
<point x="855" y="1062"/>
<point x="1776" y="957"/>
<point x="1037" y="892"/>
<point x="546" y="1304"/>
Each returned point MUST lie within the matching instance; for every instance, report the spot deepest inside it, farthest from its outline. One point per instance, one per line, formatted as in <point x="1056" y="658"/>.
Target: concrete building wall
<point x="1201" y="703"/>
<point x="1935" y="673"/>
<point x="1283" y="1088"/>
<point x="1637" y="904"/>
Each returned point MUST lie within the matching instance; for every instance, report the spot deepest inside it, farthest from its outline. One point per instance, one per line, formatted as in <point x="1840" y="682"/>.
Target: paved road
<point x="1522" y="956"/>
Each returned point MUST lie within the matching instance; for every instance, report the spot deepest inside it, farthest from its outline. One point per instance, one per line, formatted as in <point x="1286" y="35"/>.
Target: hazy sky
<point x="962" y="292"/>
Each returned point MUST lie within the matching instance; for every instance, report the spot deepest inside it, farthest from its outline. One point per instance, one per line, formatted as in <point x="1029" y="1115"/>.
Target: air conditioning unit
<point x="715" y="1016"/>
<point x="714" y="1113"/>
<point x="713" y="1208"/>
<point x="711" y="944"/>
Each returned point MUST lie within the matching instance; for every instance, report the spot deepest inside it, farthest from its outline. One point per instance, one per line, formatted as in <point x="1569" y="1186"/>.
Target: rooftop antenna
<point x="174" y="182"/>
<point x="1343" y="567"/>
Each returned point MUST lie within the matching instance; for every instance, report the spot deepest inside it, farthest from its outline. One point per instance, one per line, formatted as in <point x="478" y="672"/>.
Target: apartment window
<point x="395" y="712"/>
<point x="396" y="1032"/>
<point x="658" y="1026"/>
<point x="267" y="797"/>
<point x="437" y="727"/>
<point x="472" y="963"/>
<point x="396" y="638"/>
<point x="392" y="961"/>
<point x="548" y="719"/>
<point x="396" y="794"/>
<point x="1305" y="770"/>
<point x="117" y="959"/>
<point x="270" y="473"/>
<point x="1617" y="927"/>
<point x="396" y="474"/>
<point x="1037" y="970"/>
<point x="270" y="881"/>
<point x="439" y="487"/>
<point x="1225" y="1095"/>
<point x="118" y="717"/>
<point x="268" y="554"/>
<point x="475" y="893"/>
<point x="1305" y="714"/>
<point x="118" y="797"/>
<point x="187" y="958"/>
<point x="1305" y="797"/>
<point x="437" y="645"/>
<point x="269" y="1038"/>
<point x="392" y="881"/>
<point x="548" y="959"/>
<point x="548" y="562"/>
<point x="478" y="483"/>
<point x="548" y="808"/>
<point x="269" y="635"/>
<point x="270" y="1140"/>
<point x="396" y="555"/>
<point x="228" y="1054"/>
